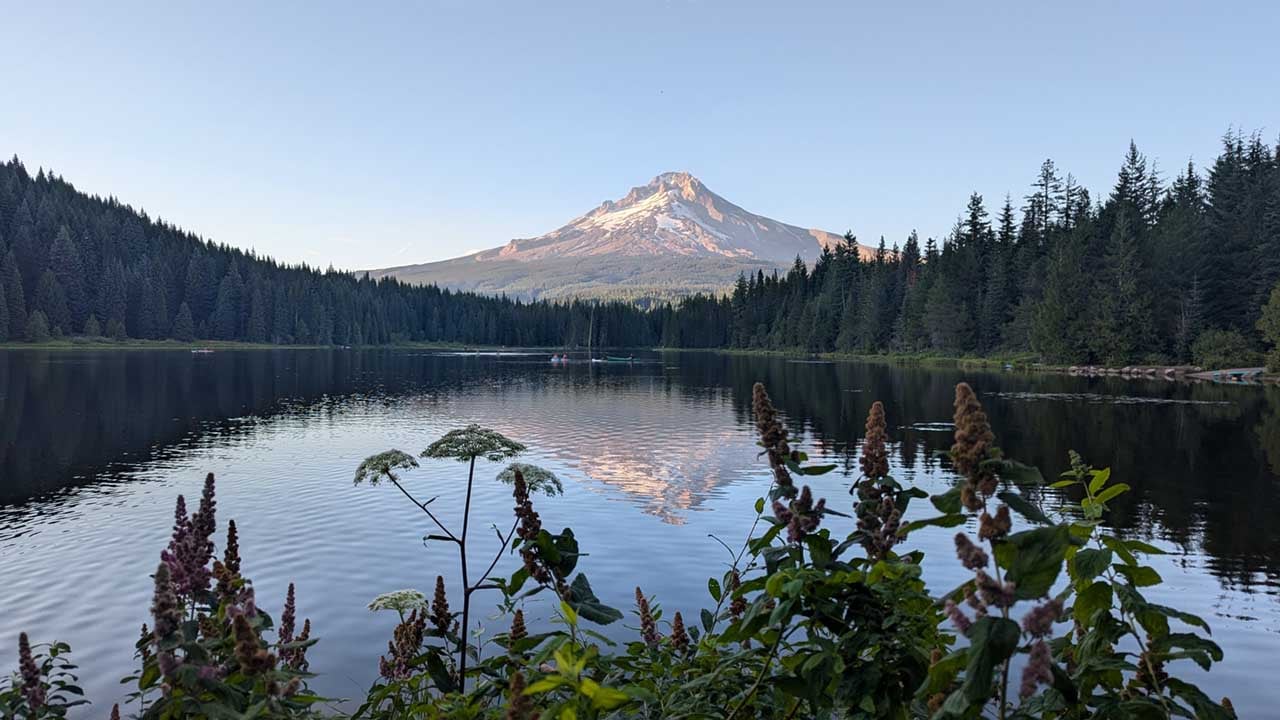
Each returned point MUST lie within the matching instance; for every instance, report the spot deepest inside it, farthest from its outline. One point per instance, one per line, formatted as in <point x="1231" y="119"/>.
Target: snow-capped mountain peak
<point x="675" y="214"/>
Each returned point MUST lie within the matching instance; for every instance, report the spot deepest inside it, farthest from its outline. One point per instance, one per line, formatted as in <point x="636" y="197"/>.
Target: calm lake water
<point x="657" y="456"/>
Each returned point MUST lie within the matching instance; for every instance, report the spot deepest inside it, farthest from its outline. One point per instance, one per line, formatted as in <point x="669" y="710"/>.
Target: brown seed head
<point x="875" y="459"/>
<point x="679" y="636"/>
<point x="974" y="440"/>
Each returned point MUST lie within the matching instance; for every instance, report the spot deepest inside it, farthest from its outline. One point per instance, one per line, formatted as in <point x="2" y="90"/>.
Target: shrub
<point x="1269" y="326"/>
<point x="1217" y="349"/>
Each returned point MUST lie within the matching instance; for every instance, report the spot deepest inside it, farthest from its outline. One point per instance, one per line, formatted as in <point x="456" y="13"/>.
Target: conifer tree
<point x="37" y="327"/>
<point x="183" y="327"/>
<point x="4" y="315"/>
<point x="64" y="261"/>
<point x="11" y="280"/>
<point x="51" y="301"/>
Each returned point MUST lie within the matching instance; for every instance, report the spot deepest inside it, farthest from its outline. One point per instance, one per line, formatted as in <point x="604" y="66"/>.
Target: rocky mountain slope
<point x="670" y="237"/>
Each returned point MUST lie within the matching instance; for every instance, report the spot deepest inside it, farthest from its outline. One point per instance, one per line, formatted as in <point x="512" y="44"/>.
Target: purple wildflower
<point x="1039" y="669"/>
<point x="958" y="618"/>
<point x="32" y="679"/>
<point x="971" y="556"/>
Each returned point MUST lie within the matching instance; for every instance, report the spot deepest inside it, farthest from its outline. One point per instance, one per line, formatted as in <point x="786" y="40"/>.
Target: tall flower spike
<point x="165" y="612"/>
<point x="205" y="521"/>
<point x="288" y="616"/>
<point x="32" y="679"/>
<point x="773" y="437"/>
<point x="875" y="459"/>
<point x="974" y="443"/>
<point x="518" y="630"/>
<point x="298" y="659"/>
<point x="648" y="628"/>
<point x="440" y="617"/>
<point x="1038" y="670"/>
<point x="253" y="658"/>
<point x="971" y="556"/>
<point x="679" y="636"/>
<point x="519" y="705"/>
<point x="739" y="604"/>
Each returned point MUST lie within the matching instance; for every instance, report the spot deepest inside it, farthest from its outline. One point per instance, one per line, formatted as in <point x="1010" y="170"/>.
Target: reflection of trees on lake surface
<point x="1203" y="460"/>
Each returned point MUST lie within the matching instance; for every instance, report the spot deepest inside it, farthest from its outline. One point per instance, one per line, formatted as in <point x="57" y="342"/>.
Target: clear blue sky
<point x="390" y="134"/>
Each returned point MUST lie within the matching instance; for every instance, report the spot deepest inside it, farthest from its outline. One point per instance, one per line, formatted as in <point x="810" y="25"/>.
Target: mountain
<point x="671" y="237"/>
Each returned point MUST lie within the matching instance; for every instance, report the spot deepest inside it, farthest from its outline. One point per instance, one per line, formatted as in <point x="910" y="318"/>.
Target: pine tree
<point x="1121" y="321"/>
<point x="51" y="301"/>
<point x="91" y="327"/>
<point x="11" y="280"/>
<point x="226" y="312"/>
<point x="4" y="316"/>
<point x="37" y="327"/>
<point x="64" y="261"/>
<point x="183" y="327"/>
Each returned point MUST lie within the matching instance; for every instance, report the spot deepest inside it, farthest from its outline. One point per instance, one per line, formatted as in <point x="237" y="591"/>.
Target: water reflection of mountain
<point x="1203" y="460"/>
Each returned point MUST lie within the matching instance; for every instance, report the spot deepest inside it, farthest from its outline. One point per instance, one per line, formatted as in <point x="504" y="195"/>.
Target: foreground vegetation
<point x="824" y="612"/>
<point x="1154" y="273"/>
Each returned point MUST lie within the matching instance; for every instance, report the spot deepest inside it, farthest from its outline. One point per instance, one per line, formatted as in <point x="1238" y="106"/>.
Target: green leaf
<point x="1089" y="563"/>
<point x="1092" y="599"/>
<point x="817" y="469"/>
<point x="948" y="502"/>
<point x="944" y="521"/>
<point x="708" y="620"/>
<point x="1099" y="480"/>
<point x="1016" y="472"/>
<point x="1205" y="709"/>
<point x="546" y="684"/>
<point x="1140" y="547"/>
<point x="1140" y="576"/>
<point x="1023" y="507"/>
<point x="1111" y="492"/>
<point x="585" y="602"/>
<point x="1117" y="546"/>
<point x="603" y="698"/>
<point x="1033" y="558"/>
<point x="759" y="505"/>
<point x="1062" y="484"/>
<point x="992" y="640"/>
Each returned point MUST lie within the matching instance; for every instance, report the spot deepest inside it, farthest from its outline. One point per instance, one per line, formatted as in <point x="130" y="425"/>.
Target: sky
<point x="373" y="134"/>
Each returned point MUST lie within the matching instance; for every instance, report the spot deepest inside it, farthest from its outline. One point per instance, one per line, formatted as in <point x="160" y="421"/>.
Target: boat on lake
<point x="615" y="358"/>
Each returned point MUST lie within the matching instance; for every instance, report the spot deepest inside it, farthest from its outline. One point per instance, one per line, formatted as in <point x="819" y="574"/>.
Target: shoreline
<point x="1019" y="363"/>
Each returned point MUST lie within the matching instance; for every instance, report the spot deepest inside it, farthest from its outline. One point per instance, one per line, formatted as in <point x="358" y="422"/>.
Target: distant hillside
<point x="75" y="264"/>
<point x="669" y="238"/>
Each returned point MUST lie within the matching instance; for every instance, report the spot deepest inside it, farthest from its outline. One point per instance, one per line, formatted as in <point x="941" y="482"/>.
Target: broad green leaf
<point x="1099" y="480"/>
<point x="713" y="587"/>
<point x="1111" y="492"/>
<point x="1089" y="563"/>
<point x="1033" y="558"/>
<point x="1023" y="507"/>
<point x="1062" y="484"/>
<point x="1140" y="576"/>
<point x="1092" y="599"/>
<point x="992" y="640"/>
<point x="546" y="684"/>
<point x="948" y="502"/>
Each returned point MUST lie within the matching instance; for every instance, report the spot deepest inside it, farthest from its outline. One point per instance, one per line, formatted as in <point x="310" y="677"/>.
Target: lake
<point x="658" y="456"/>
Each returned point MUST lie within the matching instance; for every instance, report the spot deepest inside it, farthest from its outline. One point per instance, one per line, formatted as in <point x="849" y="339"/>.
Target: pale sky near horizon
<point x="396" y="133"/>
